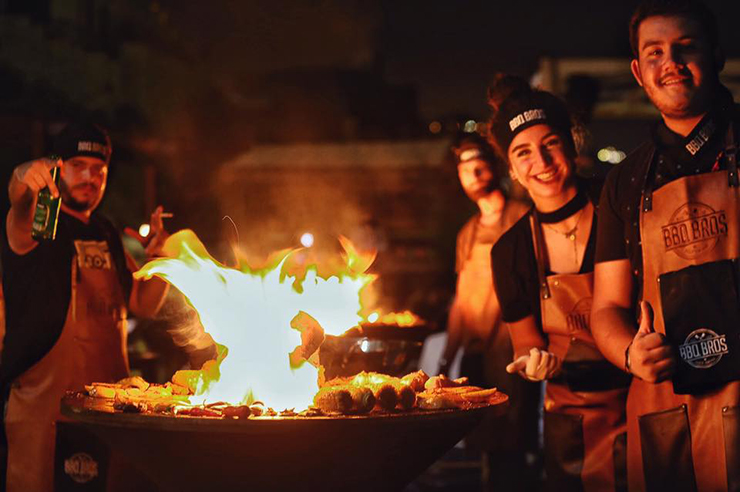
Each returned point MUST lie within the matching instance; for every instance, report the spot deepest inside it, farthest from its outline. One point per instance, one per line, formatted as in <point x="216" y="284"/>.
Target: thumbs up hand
<point x="646" y="318"/>
<point x="649" y="356"/>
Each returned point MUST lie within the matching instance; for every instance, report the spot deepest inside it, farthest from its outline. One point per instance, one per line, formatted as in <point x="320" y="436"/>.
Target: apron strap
<point x="731" y="154"/>
<point x="732" y="172"/>
<point x="73" y="296"/>
<point x="539" y="253"/>
<point x="647" y="184"/>
<point x="468" y="246"/>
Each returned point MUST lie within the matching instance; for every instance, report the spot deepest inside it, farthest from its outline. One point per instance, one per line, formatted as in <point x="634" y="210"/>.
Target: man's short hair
<point x="692" y="9"/>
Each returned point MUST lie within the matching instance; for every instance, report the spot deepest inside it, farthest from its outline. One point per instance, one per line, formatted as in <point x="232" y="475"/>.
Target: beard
<point x="481" y="192"/>
<point x="693" y="103"/>
<point x="675" y="109"/>
<point x="70" y="201"/>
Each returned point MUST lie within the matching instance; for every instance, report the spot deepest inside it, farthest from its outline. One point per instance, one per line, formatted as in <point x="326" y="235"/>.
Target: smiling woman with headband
<point x="543" y="271"/>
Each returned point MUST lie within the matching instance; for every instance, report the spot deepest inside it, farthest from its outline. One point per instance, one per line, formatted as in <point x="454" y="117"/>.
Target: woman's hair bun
<point x="505" y="86"/>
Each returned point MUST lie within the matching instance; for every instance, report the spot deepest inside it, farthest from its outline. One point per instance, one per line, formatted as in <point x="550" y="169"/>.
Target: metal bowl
<point x="359" y="453"/>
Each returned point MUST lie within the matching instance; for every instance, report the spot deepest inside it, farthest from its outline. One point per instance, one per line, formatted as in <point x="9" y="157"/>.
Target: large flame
<point x="250" y="312"/>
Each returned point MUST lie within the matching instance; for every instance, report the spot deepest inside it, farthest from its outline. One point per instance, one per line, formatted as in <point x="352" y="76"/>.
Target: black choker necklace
<point x="573" y="206"/>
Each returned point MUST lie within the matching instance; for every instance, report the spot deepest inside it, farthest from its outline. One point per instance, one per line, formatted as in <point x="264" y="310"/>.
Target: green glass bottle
<point x="45" y="217"/>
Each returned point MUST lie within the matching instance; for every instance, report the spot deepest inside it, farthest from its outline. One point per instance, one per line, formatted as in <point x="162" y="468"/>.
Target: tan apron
<point x="91" y="347"/>
<point x="690" y="441"/>
<point x="487" y="341"/>
<point x="476" y="297"/>
<point x="584" y="405"/>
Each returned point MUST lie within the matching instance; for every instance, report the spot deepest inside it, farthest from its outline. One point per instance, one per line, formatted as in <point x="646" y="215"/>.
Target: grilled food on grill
<point x="332" y="399"/>
<point x="386" y="396"/>
<point x="390" y="392"/>
<point x="363" y="393"/>
<point x="134" y="382"/>
<point x="454" y="397"/>
<point x="415" y="380"/>
<point x="406" y="398"/>
<point x="363" y="399"/>
<point x="443" y="381"/>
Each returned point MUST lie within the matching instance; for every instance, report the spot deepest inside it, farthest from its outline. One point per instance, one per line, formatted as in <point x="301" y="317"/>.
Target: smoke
<point x="184" y="325"/>
<point x="272" y="211"/>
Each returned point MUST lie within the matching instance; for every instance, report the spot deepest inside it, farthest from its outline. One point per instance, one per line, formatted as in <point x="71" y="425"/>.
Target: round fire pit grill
<point x="382" y="452"/>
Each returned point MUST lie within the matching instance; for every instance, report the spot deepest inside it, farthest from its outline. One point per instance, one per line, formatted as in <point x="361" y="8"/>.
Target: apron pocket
<point x="666" y="450"/>
<point x="563" y="451"/>
<point x="702" y="315"/>
<point x="731" y="427"/>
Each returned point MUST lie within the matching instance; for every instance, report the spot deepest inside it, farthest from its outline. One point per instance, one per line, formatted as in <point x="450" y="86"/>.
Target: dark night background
<point x="288" y="116"/>
<point x="332" y="116"/>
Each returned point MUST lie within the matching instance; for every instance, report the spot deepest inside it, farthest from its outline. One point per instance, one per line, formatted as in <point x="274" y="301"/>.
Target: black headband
<point x="523" y="111"/>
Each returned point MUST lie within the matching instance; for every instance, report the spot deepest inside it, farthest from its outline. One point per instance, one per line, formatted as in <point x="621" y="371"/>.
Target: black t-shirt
<point x="619" y="209"/>
<point x="37" y="288"/>
<point x="515" y="266"/>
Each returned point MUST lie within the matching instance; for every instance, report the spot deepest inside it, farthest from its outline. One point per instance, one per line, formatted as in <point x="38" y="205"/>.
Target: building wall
<point x="410" y="214"/>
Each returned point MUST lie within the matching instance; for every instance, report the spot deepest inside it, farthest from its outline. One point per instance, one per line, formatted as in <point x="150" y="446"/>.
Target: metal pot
<point x="348" y="355"/>
<point x="391" y="332"/>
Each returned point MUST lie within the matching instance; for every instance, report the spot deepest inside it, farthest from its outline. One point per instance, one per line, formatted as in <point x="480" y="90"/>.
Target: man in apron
<point x="475" y="322"/>
<point x="667" y="252"/>
<point x="66" y="299"/>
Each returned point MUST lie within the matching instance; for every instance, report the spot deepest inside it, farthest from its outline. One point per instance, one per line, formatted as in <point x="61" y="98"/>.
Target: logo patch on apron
<point x="81" y="467"/>
<point x="703" y="348"/>
<point x="578" y="318"/>
<point x="93" y="254"/>
<point x="694" y="229"/>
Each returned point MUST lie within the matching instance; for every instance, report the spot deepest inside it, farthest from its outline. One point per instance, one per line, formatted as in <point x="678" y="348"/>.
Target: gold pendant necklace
<point x="571" y="235"/>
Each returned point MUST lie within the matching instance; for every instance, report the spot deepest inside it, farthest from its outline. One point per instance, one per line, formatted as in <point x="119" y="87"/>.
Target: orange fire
<point x="256" y="317"/>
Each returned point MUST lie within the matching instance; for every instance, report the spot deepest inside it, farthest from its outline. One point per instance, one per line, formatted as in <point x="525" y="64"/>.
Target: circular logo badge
<point x="81" y="467"/>
<point x="703" y="348"/>
<point x="693" y="229"/>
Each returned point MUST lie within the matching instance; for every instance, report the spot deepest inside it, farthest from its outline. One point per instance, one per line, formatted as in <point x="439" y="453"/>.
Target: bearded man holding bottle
<point x="68" y="289"/>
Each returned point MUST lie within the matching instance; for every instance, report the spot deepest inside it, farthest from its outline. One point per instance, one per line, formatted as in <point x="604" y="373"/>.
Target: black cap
<point x="83" y="139"/>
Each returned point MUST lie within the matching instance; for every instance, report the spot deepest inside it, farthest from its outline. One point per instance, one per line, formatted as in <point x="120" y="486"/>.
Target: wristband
<point x="627" y="365"/>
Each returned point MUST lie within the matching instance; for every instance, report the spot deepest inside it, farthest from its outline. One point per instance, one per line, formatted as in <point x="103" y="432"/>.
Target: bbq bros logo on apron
<point x="93" y="254"/>
<point x="694" y="229"/>
<point x="577" y="319"/>
<point x="81" y="467"/>
<point x="703" y="348"/>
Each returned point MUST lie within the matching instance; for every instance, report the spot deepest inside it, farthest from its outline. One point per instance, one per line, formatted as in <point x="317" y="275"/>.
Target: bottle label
<point x="44" y="226"/>
<point x="41" y="217"/>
